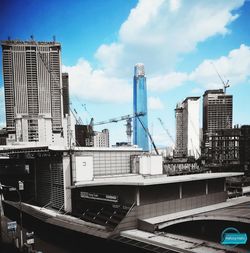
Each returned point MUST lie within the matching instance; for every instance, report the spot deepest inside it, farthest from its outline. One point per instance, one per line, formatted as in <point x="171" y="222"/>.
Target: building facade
<point x="230" y="149"/>
<point x="217" y="114"/>
<point x="217" y="111"/>
<point x="33" y="97"/>
<point x="65" y="91"/>
<point x="179" y="143"/>
<point x="101" y="139"/>
<point x="188" y="127"/>
<point x="140" y="136"/>
<point x="84" y="136"/>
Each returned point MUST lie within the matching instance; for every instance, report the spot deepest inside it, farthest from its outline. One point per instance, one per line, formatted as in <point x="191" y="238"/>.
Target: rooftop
<point x="29" y="42"/>
<point x="139" y="180"/>
<point x="36" y="147"/>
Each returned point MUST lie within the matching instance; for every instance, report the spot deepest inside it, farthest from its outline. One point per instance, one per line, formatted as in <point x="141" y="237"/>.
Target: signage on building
<point x="11" y="226"/>
<point x="30" y="241"/>
<point x="30" y="237"/>
<point x="99" y="196"/>
<point x="20" y="185"/>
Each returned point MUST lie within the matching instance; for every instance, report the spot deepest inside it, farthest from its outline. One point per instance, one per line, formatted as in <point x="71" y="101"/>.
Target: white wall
<point x="193" y="144"/>
<point x="150" y="165"/>
<point x="66" y="183"/>
<point x="84" y="168"/>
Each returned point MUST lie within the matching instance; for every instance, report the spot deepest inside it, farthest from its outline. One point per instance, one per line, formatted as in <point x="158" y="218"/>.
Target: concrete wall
<point x="158" y="193"/>
<point x="177" y="205"/>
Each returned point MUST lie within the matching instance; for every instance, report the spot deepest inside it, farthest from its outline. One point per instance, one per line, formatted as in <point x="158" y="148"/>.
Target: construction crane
<point x="166" y="130"/>
<point x="128" y="119"/>
<point x="225" y="84"/>
<point x="149" y="135"/>
<point x="56" y="79"/>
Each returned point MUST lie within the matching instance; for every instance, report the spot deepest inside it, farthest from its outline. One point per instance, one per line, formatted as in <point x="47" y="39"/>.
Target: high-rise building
<point x="33" y="97"/>
<point x="84" y="135"/>
<point x="65" y="90"/>
<point x="188" y="127"/>
<point x="217" y="114"/>
<point x="140" y="136"/>
<point x="217" y="110"/>
<point x="101" y="139"/>
<point x="179" y="140"/>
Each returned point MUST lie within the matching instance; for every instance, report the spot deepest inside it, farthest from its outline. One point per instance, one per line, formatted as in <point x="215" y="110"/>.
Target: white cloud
<point x="156" y="33"/>
<point x="96" y="84"/>
<point x="167" y="82"/>
<point x="234" y="67"/>
<point x="154" y="103"/>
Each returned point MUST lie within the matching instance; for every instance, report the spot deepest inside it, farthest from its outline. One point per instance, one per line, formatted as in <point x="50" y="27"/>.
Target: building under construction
<point x="217" y="114"/>
<point x="230" y="150"/>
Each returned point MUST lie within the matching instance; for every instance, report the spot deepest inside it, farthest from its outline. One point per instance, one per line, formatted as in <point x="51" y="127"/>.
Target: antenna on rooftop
<point x="32" y="37"/>
<point x="54" y="38"/>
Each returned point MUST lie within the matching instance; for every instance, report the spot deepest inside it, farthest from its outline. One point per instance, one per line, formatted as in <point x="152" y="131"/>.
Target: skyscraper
<point x="217" y="110"/>
<point x="188" y="127"/>
<point x="217" y="114"/>
<point x="65" y="90"/>
<point x="33" y="97"/>
<point x="140" y="136"/>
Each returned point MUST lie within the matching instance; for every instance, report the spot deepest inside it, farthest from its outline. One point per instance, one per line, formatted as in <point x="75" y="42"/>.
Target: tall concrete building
<point x="217" y="114"/>
<point x="188" y="127"/>
<point x="101" y="139"/>
<point x="84" y="135"/>
<point x="140" y="136"/>
<point x="33" y="96"/>
<point x="217" y="110"/>
<point x="65" y="90"/>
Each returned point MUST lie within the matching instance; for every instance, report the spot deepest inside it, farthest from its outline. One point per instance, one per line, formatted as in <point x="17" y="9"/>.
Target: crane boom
<point x="225" y="84"/>
<point x="166" y="130"/>
<point x="56" y="78"/>
<point x="128" y="118"/>
<point x="115" y="120"/>
<point x="149" y="135"/>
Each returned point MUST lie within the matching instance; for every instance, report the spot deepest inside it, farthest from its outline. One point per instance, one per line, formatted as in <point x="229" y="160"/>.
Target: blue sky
<point x="175" y="39"/>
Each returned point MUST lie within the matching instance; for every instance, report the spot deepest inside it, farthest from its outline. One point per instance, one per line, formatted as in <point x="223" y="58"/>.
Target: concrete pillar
<point x="67" y="183"/>
<point x="206" y="187"/>
<point x="137" y="196"/>
<point x="180" y="190"/>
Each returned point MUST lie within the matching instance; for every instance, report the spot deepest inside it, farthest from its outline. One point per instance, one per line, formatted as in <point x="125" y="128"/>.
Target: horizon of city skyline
<point x="100" y="69"/>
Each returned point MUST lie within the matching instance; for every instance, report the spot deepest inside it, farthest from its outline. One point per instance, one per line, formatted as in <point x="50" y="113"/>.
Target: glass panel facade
<point x="140" y="137"/>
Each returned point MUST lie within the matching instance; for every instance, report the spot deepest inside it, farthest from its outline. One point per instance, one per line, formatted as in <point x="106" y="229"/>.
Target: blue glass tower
<point x="140" y="137"/>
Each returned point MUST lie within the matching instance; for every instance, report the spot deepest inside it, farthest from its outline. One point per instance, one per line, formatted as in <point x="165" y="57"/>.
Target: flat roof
<point x="173" y="242"/>
<point x="10" y="148"/>
<point x="240" y="211"/>
<point x="140" y="180"/>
